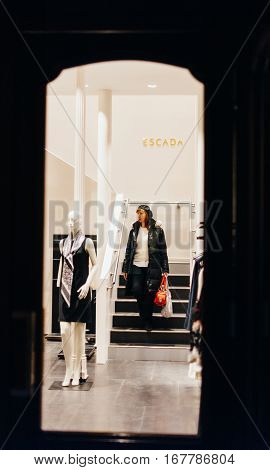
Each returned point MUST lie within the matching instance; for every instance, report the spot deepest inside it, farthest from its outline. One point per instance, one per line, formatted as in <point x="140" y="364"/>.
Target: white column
<point x="104" y="198"/>
<point x="79" y="160"/>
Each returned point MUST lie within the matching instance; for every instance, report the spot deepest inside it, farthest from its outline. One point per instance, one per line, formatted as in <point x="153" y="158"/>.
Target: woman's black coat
<point x="158" y="258"/>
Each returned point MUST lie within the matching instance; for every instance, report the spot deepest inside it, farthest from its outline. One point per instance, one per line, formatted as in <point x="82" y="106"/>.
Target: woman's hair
<point x="146" y="219"/>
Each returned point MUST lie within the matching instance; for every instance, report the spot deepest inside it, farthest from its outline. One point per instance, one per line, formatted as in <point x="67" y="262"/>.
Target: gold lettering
<point x="161" y="142"/>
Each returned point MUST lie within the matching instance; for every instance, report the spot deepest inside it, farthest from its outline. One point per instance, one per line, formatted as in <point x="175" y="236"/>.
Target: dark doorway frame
<point x="230" y="119"/>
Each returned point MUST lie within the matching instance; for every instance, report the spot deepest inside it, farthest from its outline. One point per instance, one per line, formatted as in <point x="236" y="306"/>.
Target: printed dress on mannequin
<point x="76" y="272"/>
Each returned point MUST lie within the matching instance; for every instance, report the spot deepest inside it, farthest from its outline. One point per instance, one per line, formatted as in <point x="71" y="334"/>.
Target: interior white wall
<point x="61" y="130"/>
<point x="200" y="171"/>
<point x="60" y="126"/>
<point x="137" y="171"/>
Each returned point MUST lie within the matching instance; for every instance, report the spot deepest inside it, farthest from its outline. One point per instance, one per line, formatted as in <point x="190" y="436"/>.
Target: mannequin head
<point x="74" y="222"/>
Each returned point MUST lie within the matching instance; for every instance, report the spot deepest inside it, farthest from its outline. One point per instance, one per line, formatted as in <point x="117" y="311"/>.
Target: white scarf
<point x="70" y="247"/>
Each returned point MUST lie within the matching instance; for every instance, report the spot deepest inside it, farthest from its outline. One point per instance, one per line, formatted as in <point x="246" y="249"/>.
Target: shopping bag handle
<point x="163" y="283"/>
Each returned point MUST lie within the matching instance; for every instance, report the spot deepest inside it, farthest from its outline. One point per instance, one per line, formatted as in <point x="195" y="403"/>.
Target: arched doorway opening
<point x="135" y="129"/>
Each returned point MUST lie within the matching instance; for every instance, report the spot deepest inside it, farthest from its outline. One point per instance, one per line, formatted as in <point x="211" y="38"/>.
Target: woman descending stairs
<point x="168" y="339"/>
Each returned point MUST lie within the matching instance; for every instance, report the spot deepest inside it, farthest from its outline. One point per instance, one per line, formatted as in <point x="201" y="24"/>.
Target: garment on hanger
<point x="196" y="323"/>
<point x="193" y="290"/>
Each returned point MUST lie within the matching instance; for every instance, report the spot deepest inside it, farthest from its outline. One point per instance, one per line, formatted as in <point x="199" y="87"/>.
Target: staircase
<point x="168" y="340"/>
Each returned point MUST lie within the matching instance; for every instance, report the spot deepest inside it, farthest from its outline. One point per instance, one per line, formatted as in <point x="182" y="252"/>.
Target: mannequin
<point x="77" y="267"/>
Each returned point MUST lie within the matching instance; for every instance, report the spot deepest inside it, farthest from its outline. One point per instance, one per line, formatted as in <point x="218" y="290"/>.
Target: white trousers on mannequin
<point x="73" y="343"/>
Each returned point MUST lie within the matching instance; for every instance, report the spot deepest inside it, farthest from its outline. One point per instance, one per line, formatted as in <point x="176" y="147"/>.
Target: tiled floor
<point x="126" y="396"/>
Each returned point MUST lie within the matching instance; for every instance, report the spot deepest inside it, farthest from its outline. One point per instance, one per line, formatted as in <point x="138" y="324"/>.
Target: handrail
<point x="120" y="244"/>
<point x="160" y="202"/>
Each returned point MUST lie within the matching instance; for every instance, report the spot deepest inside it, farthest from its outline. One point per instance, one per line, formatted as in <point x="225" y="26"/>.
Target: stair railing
<point x="114" y="273"/>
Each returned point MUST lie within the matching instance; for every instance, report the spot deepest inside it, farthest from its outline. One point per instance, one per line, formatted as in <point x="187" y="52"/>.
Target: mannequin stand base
<point x="82" y="380"/>
<point x="82" y="387"/>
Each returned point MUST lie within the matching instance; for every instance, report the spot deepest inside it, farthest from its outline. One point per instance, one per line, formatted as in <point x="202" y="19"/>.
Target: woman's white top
<point x="141" y="257"/>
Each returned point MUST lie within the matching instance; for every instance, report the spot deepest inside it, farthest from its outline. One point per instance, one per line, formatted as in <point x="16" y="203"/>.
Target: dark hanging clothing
<point x="79" y="310"/>
<point x="193" y="292"/>
<point x="197" y="314"/>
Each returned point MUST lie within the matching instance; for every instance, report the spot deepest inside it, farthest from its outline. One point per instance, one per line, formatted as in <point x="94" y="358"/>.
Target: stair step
<point x="178" y="293"/>
<point x="149" y="352"/>
<point x="155" y="315"/>
<point x="174" y="280"/>
<point x="89" y="352"/>
<point x="89" y="338"/>
<point x="177" y="267"/>
<point x="136" y="330"/>
<point x="133" y="320"/>
<point x="133" y="300"/>
<point x="134" y="336"/>
<point x="130" y="305"/>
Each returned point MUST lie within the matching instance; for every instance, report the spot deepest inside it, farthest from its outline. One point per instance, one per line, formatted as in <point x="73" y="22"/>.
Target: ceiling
<point x="127" y="77"/>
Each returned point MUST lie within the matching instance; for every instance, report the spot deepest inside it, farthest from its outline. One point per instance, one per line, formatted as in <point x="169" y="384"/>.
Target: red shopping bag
<point x="161" y="295"/>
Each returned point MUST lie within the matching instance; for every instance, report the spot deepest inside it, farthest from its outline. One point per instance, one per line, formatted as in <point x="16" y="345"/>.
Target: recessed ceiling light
<point x="86" y="86"/>
<point x="152" y="85"/>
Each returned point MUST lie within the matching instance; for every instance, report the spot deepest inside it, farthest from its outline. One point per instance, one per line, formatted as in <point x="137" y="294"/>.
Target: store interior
<point x="120" y="134"/>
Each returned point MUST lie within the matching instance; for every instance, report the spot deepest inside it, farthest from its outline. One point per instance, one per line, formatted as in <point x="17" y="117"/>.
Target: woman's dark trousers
<point x="144" y="298"/>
